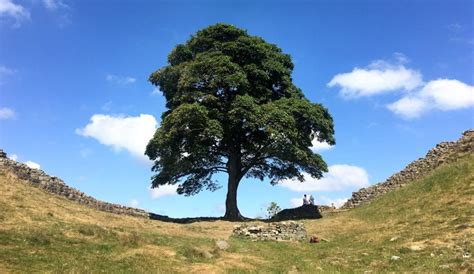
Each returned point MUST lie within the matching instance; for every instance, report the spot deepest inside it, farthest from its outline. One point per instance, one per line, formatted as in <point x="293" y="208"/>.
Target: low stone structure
<point x="445" y="152"/>
<point x="298" y="213"/>
<point x="281" y="231"/>
<point x="55" y="185"/>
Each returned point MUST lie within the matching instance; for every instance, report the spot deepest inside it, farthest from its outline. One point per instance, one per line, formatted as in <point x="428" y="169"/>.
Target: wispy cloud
<point x="130" y="133"/>
<point x="14" y="12"/>
<point x="53" y="5"/>
<point x="120" y="80"/>
<point x="455" y="27"/>
<point x="7" y="113"/>
<point x="133" y="203"/>
<point x="5" y="72"/>
<point x="85" y="152"/>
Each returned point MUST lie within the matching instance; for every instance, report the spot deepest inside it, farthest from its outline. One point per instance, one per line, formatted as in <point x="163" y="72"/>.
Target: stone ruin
<point x="445" y="152"/>
<point x="281" y="231"/>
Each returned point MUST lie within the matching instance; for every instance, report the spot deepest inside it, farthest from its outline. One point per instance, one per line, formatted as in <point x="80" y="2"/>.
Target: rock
<point x="222" y="245"/>
<point x="416" y="248"/>
<point x="293" y="270"/>
<point x="466" y="255"/>
<point x="395" y="258"/>
<point x="298" y="213"/>
<point x="393" y="239"/>
<point x="206" y="254"/>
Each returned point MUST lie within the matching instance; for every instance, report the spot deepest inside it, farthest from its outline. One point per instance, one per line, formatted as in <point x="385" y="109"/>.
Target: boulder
<point x="298" y="213"/>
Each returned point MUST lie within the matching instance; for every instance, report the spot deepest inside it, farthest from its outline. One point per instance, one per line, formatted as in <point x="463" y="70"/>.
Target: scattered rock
<point x="314" y="240"/>
<point x="466" y="255"/>
<point x="444" y="266"/>
<point x="395" y="258"/>
<point x="293" y="270"/>
<point x="416" y="248"/>
<point x="222" y="245"/>
<point x="207" y="254"/>
<point x="393" y="239"/>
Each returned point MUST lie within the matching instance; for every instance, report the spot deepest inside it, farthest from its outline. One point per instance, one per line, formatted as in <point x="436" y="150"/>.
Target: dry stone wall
<point x="445" y="152"/>
<point x="55" y="185"/>
<point x="282" y="231"/>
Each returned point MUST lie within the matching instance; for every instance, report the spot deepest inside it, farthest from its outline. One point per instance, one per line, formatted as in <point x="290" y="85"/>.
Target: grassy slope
<point x="432" y="221"/>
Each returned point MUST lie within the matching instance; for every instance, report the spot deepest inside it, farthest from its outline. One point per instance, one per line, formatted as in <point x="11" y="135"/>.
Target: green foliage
<point x="272" y="209"/>
<point x="232" y="107"/>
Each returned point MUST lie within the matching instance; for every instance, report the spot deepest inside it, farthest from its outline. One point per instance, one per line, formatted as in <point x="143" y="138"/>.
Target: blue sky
<point x="397" y="76"/>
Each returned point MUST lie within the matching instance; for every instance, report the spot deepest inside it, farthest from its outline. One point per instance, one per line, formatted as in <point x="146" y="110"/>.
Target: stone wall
<point x="55" y="185"/>
<point x="282" y="231"/>
<point x="445" y="152"/>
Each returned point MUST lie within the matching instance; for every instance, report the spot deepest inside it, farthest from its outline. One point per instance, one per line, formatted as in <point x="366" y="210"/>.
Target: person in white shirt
<point x="305" y="200"/>
<point x="311" y="200"/>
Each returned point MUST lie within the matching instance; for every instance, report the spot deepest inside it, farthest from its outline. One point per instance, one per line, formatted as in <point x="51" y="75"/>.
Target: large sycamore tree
<point x="232" y="107"/>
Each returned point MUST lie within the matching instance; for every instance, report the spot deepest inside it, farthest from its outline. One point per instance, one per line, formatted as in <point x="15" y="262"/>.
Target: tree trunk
<point x="231" y="210"/>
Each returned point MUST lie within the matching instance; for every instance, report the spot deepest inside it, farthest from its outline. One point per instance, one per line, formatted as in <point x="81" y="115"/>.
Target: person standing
<point x="305" y="200"/>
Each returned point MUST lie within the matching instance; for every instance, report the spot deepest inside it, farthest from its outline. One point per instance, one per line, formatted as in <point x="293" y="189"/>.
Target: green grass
<point x="434" y="214"/>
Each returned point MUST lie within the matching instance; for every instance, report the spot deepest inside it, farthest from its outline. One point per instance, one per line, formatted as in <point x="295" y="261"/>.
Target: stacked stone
<point x="55" y="185"/>
<point x="281" y="231"/>
<point x="445" y="152"/>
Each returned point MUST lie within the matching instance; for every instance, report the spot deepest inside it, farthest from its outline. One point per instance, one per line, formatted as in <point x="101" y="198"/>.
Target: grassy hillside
<point x="428" y="224"/>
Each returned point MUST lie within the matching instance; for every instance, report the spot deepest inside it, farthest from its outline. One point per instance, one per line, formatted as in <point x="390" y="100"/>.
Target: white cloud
<point x="32" y="164"/>
<point x="163" y="190"/>
<point x="408" y="107"/>
<point x="133" y="203"/>
<point x="7" y="113"/>
<point x="156" y="91"/>
<point x="54" y="4"/>
<point x="440" y="94"/>
<point x="131" y="133"/>
<point x="120" y="80"/>
<point x="319" y="146"/>
<point x="449" y="94"/>
<point x="338" y="178"/>
<point x="14" y="11"/>
<point x="379" y="77"/>
<point x="13" y="157"/>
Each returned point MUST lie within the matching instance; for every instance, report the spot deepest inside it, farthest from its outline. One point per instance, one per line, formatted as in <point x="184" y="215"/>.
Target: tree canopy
<point x="233" y="107"/>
